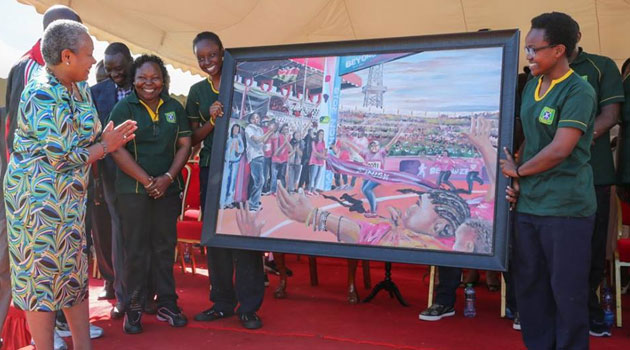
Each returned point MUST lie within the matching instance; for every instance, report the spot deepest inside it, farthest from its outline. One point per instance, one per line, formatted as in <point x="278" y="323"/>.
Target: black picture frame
<point x="508" y="40"/>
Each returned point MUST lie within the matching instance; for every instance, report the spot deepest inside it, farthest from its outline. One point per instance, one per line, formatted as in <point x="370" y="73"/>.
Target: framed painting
<point x="379" y="149"/>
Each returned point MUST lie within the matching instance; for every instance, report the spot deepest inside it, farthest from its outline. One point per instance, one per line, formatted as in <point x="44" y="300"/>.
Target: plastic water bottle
<point x="607" y="306"/>
<point x="469" y="309"/>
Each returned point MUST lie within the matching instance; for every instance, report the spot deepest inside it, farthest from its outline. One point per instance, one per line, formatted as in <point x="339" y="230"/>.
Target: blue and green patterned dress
<point x="45" y="191"/>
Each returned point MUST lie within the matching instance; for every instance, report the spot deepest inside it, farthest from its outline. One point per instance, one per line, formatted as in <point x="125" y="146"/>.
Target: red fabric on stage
<point x="15" y="333"/>
<point x="321" y="318"/>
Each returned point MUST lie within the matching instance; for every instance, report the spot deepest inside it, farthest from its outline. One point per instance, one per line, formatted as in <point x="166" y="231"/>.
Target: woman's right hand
<point x="115" y="137"/>
<point x="216" y="110"/>
<point x="294" y="206"/>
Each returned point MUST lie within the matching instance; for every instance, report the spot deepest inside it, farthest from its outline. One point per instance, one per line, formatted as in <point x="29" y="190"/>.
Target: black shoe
<point x="599" y="329"/>
<point x="436" y="312"/>
<point x="107" y="293"/>
<point x="250" y="320"/>
<point x="211" y="314"/>
<point x="150" y="307"/>
<point x="175" y="319"/>
<point x="118" y="311"/>
<point x="132" y="324"/>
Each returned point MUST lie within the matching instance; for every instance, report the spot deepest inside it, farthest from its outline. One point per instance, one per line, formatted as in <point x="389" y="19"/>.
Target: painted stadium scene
<point x="396" y="149"/>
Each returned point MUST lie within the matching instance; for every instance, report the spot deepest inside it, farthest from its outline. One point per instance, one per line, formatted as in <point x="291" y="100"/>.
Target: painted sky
<point x="467" y="80"/>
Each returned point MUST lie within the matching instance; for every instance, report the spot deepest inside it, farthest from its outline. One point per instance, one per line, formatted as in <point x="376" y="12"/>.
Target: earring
<point x="67" y="63"/>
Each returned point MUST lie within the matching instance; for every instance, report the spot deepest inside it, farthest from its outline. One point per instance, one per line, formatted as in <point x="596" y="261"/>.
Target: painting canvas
<point x="386" y="155"/>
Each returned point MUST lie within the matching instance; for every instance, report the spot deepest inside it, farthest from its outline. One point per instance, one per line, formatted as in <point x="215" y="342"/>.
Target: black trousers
<point x="149" y="237"/>
<point x="245" y="288"/>
<point x="598" y="252"/>
<point x="551" y="267"/>
<point x="249" y="288"/>
<point x="449" y="281"/>
<point x="304" y="176"/>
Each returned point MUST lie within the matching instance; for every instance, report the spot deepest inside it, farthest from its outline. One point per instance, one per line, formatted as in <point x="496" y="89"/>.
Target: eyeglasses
<point x="531" y="51"/>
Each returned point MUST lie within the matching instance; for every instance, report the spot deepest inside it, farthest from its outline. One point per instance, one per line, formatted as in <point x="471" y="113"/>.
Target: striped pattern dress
<point x="45" y="191"/>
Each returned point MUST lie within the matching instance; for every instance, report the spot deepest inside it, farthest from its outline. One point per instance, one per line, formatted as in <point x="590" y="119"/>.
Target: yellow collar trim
<point x="155" y="116"/>
<point x="554" y="82"/>
<point x="212" y="86"/>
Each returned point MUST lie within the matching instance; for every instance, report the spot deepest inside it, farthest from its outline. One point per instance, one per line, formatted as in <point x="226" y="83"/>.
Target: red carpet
<point x="320" y="317"/>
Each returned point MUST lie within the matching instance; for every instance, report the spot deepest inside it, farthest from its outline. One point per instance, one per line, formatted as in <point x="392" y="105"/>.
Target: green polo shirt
<point x="155" y="144"/>
<point x="603" y="75"/>
<point x="623" y="164"/>
<point x="566" y="189"/>
<point x="201" y="96"/>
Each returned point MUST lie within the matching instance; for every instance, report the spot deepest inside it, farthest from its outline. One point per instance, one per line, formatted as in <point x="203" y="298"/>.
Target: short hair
<point x="151" y="59"/>
<point x="249" y="118"/>
<point x="61" y="35"/>
<point x="560" y="29"/>
<point x="483" y="236"/>
<point x="101" y="74"/>
<point x="118" y="48"/>
<point x="58" y="12"/>
<point x="207" y="36"/>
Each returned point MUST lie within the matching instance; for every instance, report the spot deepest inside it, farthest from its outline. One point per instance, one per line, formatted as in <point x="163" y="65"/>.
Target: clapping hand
<point x="115" y="137"/>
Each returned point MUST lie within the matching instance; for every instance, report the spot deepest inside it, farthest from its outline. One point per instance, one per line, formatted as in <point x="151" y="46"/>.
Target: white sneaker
<point x="95" y="331"/>
<point x="59" y="343"/>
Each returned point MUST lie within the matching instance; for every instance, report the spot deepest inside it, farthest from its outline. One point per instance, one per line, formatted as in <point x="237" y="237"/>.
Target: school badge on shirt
<point x="170" y="117"/>
<point x="546" y="115"/>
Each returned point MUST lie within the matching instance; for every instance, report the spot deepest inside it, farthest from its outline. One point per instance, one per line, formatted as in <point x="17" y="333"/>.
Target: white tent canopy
<point x="167" y="27"/>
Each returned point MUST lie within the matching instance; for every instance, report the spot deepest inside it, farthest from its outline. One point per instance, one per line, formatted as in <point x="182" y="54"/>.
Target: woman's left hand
<point x="508" y="165"/>
<point x="159" y="186"/>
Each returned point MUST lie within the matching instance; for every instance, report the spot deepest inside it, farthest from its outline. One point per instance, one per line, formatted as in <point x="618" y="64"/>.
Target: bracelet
<point x="308" y="218"/>
<point x="104" y="145"/>
<point x="212" y="122"/>
<point x="169" y="176"/>
<point x="339" y="228"/>
<point x="315" y="219"/>
<point x="517" y="174"/>
<point x="150" y="182"/>
<point x="322" y="220"/>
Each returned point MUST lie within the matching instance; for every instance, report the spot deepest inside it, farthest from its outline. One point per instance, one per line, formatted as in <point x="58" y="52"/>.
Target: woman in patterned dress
<point x="56" y="140"/>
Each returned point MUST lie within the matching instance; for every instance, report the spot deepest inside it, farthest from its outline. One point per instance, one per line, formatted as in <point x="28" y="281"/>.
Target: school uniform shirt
<point x="200" y="97"/>
<point x="623" y="164"/>
<point x="566" y="189"/>
<point x="155" y="144"/>
<point x="603" y="75"/>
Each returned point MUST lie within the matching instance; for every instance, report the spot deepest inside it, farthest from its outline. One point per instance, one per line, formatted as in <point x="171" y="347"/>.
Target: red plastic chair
<point x="622" y="252"/>
<point x="189" y="222"/>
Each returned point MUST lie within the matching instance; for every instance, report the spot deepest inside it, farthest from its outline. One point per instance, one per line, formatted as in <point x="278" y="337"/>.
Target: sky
<point x="465" y="80"/>
<point x="21" y="26"/>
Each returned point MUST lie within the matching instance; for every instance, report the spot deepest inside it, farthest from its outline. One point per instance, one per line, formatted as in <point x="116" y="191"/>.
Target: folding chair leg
<point x="194" y="263"/>
<point x="618" y="288"/>
<point x="503" y="292"/>
<point x="431" y="286"/>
